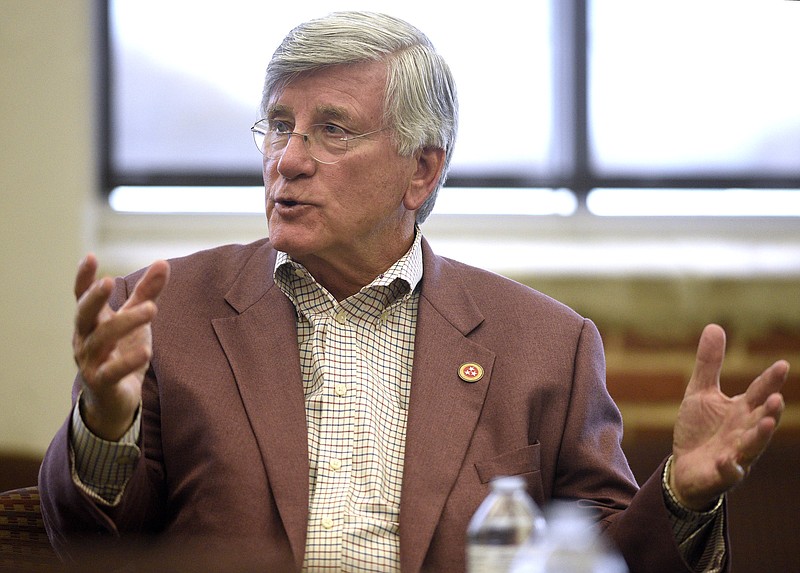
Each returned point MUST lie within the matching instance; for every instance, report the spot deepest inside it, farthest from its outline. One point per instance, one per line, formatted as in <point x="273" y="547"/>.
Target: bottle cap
<point x="507" y="483"/>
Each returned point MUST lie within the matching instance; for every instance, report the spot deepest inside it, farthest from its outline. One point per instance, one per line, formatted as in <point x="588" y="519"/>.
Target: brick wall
<point x="650" y="329"/>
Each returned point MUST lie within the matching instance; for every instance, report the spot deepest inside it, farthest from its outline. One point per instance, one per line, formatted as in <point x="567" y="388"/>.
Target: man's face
<point x="351" y="214"/>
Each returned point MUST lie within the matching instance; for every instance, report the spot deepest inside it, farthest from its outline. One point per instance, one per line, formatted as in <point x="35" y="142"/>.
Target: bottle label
<point x="490" y="558"/>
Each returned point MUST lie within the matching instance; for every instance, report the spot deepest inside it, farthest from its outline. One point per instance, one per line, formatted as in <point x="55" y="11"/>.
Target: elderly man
<point x="337" y="397"/>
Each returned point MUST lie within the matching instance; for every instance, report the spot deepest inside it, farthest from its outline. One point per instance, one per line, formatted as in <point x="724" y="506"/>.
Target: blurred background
<point x="639" y="161"/>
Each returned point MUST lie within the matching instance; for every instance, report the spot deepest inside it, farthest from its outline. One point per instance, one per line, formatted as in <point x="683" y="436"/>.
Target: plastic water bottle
<point x="506" y="519"/>
<point x="572" y="544"/>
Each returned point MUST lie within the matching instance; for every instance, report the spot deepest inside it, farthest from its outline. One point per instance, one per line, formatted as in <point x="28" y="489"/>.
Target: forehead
<point x="348" y="92"/>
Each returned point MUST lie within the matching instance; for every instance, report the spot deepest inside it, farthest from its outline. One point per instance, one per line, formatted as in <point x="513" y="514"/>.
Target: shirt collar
<point x="407" y="269"/>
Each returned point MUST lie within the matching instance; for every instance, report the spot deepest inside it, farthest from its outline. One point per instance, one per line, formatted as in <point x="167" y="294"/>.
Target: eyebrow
<point x="323" y="112"/>
<point x="277" y="110"/>
<point x="333" y="112"/>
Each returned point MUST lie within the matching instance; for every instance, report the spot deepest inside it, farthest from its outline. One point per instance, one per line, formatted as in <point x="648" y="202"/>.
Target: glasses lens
<point x="270" y="140"/>
<point x="259" y="131"/>
<point x="326" y="143"/>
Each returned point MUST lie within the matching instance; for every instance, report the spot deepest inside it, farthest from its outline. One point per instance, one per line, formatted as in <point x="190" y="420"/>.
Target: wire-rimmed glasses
<point x="325" y="142"/>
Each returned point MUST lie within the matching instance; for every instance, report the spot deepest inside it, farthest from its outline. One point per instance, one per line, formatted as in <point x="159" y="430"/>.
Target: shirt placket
<point x="348" y="527"/>
<point x="333" y="418"/>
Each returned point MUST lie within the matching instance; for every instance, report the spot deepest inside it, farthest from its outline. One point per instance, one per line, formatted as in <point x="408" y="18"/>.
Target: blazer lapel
<point x="261" y="346"/>
<point x="444" y="408"/>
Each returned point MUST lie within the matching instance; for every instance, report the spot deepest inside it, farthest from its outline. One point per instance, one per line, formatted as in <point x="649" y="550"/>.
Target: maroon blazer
<point x="225" y="443"/>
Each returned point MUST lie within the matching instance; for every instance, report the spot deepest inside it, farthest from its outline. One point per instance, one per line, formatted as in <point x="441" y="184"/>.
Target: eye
<point x="332" y="131"/>
<point x="279" y="126"/>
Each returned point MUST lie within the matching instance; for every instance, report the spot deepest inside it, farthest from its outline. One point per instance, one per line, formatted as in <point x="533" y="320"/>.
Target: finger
<point x="87" y="271"/>
<point x="90" y="304"/>
<point x="122" y="365"/>
<point x="150" y="285"/>
<point x="774" y="406"/>
<point x="708" y="363"/>
<point x="732" y="472"/>
<point x="771" y="409"/>
<point x="769" y="382"/>
<point x="754" y="441"/>
<point x="107" y="335"/>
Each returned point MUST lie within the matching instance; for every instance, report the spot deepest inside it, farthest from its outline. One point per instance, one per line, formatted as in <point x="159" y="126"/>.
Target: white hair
<point x="421" y="106"/>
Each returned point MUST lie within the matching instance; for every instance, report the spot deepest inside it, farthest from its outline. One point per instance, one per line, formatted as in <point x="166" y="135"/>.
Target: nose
<point x="295" y="160"/>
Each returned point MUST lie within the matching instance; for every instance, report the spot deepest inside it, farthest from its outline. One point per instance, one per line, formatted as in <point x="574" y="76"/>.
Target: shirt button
<point x="336" y="465"/>
<point x="326" y="523"/>
<point x="341" y="390"/>
<point x="300" y="273"/>
<point x="341" y="317"/>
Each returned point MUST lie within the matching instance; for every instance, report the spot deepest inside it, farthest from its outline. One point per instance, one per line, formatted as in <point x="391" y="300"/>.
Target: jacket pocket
<point x="524" y="462"/>
<point x="516" y="462"/>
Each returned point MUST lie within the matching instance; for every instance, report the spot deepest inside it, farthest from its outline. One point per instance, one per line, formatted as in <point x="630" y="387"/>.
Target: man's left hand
<point x="718" y="438"/>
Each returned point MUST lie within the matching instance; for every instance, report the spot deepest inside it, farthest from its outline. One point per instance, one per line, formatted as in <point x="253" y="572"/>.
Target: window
<point x="187" y="78"/>
<point x="566" y="98"/>
<point x="694" y="90"/>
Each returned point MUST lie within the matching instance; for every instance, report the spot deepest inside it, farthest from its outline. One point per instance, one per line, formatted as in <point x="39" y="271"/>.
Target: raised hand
<point x="113" y="348"/>
<point x="718" y="438"/>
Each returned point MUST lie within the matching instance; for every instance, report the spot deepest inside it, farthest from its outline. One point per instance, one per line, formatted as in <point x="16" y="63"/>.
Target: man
<point x="338" y="397"/>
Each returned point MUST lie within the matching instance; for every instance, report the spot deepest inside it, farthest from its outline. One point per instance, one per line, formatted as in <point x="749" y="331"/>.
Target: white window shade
<point x="689" y="88"/>
<point x="187" y="80"/>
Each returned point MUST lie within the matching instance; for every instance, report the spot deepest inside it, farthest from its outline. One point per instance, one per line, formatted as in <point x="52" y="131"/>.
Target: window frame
<point x="574" y="170"/>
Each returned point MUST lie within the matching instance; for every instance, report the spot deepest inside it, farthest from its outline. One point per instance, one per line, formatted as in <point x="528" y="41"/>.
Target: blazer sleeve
<point x="638" y="521"/>
<point x="76" y="524"/>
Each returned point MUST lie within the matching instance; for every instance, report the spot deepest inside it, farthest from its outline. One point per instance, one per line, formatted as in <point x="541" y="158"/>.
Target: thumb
<point x="708" y="363"/>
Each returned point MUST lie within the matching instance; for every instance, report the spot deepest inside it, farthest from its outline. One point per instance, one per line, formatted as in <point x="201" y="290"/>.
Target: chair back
<point x="23" y="541"/>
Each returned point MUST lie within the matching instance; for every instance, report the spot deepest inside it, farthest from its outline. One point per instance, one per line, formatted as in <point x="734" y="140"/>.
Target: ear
<point x="429" y="166"/>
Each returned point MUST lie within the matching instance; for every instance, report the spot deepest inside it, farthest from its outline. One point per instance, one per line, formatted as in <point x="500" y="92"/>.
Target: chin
<point x="290" y="245"/>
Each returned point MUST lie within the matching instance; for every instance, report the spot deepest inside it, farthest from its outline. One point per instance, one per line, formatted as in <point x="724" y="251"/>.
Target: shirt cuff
<point x="699" y="534"/>
<point x="677" y="509"/>
<point x="101" y="468"/>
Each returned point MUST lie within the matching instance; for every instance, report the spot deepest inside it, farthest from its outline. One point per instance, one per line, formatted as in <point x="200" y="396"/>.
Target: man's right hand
<point x="113" y="348"/>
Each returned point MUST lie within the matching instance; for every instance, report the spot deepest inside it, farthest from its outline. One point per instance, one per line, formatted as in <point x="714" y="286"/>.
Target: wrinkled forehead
<point x="277" y="86"/>
<point x="342" y="91"/>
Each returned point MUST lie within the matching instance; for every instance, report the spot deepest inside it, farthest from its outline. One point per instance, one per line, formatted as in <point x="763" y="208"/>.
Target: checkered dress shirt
<point x="355" y="358"/>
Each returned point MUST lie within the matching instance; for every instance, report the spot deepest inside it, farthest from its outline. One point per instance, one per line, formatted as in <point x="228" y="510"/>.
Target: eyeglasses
<point x="325" y="142"/>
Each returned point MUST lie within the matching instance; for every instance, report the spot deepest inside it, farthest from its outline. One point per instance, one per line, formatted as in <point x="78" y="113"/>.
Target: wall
<point x="46" y="184"/>
<point x="52" y="216"/>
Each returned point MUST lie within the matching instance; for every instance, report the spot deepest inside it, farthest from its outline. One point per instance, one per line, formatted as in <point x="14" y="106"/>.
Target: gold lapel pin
<point x="470" y="372"/>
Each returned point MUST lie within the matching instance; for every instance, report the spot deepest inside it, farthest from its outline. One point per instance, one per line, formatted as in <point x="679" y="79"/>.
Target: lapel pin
<point x="470" y="372"/>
